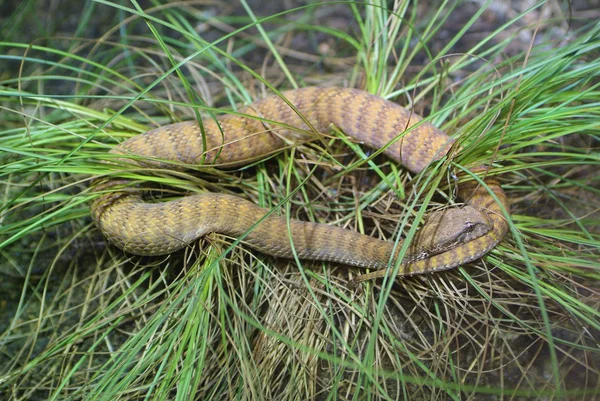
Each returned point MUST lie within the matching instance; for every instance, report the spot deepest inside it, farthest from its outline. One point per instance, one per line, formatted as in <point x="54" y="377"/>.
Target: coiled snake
<point x="448" y="239"/>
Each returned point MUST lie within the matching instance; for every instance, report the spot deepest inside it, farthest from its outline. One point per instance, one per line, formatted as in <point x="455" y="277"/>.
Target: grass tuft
<point x="82" y="320"/>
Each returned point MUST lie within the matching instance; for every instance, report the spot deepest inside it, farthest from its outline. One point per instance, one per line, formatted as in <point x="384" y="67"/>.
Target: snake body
<point x="448" y="239"/>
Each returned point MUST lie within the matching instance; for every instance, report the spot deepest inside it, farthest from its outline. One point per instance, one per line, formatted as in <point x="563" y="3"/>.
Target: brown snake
<point x="448" y="239"/>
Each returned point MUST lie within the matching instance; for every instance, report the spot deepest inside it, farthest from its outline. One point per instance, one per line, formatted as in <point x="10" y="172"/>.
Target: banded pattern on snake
<point x="448" y="239"/>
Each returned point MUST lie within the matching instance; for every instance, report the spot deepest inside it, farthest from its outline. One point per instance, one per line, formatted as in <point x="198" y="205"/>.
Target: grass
<point x="81" y="320"/>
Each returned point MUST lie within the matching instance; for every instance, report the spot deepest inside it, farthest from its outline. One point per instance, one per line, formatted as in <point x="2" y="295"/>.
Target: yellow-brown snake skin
<point x="448" y="239"/>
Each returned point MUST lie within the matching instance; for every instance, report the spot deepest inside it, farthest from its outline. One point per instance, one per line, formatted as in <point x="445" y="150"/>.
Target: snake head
<point x="449" y="228"/>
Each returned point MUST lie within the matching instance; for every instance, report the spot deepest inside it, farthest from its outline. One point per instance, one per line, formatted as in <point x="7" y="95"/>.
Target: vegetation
<point x="82" y="320"/>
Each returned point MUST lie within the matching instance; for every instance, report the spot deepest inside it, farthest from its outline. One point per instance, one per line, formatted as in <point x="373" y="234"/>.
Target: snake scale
<point x="448" y="238"/>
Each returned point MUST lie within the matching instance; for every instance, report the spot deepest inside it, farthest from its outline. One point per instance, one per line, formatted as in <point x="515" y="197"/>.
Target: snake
<point x="448" y="238"/>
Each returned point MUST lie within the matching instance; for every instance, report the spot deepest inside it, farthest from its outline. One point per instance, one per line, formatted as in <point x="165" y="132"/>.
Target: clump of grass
<point x="219" y="321"/>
